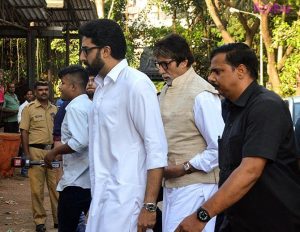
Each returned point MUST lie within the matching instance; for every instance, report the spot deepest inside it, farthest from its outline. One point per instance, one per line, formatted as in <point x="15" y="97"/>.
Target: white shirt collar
<point x="115" y="71"/>
<point x="112" y="74"/>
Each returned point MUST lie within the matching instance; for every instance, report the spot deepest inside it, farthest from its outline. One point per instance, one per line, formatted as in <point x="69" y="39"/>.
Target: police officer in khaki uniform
<point x="36" y="131"/>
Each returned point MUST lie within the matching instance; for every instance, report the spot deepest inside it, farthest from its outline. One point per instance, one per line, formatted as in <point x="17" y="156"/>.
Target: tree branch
<point x="288" y="51"/>
<point x="212" y="11"/>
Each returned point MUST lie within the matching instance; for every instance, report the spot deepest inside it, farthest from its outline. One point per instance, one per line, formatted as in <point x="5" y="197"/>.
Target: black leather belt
<point x="42" y="146"/>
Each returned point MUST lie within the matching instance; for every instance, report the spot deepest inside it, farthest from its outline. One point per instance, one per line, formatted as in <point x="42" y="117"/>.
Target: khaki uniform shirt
<point x="38" y="121"/>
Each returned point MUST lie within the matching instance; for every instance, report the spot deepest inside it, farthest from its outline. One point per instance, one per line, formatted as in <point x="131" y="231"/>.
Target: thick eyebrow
<point x="214" y="69"/>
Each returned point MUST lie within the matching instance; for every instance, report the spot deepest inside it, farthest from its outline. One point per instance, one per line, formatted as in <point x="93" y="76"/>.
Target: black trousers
<point x="11" y="127"/>
<point x="71" y="203"/>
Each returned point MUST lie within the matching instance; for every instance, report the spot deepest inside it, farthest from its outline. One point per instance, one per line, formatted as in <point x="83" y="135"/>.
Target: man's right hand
<point x="50" y="156"/>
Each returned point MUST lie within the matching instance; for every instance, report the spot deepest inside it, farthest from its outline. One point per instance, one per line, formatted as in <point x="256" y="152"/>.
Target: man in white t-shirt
<point x="29" y="97"/>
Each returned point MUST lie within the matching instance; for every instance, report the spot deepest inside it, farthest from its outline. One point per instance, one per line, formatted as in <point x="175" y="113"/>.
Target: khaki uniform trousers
<point x="38" y="175"/>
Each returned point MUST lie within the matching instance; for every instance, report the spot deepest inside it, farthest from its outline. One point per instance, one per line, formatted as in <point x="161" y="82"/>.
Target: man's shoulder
<point x="7" y="95"/>
<point x="52" y="105"/>
<point x="25" y="103"/>
<point x="134" y="74"/>
<point x="81" y="104"/>
<point x="31" y="104"/>
<point x="265" y="98"/>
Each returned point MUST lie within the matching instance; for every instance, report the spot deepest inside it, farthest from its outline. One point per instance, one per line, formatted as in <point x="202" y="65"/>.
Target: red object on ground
<point x="9" y="147"/>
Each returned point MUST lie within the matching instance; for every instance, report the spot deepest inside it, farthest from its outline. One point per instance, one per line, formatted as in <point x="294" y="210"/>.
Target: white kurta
<point x="126" y="139"/>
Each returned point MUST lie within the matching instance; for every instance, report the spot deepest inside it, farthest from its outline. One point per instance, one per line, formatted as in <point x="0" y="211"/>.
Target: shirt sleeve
<point x="209" y="121"/>
<point x="77" y="121"/>
<point x="147" y="119"/>
<point x="268" y="125"/>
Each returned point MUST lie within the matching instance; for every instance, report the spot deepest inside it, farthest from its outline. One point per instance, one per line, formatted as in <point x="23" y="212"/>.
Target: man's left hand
<point x="146" y="220"/>
<point x="190" y="224"/>
<point x="50" y="156"/>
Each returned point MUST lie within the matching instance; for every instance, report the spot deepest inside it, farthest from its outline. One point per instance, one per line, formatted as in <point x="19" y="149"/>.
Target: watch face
<point x="203" y="215"/>
<point x="186" y="166"/>
<point x="151" y="208"/>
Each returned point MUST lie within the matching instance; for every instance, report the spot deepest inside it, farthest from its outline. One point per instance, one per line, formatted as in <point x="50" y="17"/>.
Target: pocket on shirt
<point x="38" y="121"/>
<point x="235" y="150"/>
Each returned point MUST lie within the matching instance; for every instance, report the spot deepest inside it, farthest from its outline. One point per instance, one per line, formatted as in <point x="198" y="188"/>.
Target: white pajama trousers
<point x="179" y="203"/>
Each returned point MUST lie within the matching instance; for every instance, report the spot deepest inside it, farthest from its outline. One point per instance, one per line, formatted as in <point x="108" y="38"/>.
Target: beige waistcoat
<point x="184" y="138"/>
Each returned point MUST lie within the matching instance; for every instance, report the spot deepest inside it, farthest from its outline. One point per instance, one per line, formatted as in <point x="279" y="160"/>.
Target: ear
<point x="74" y="87"/>
<point x="106" y="51"/>
<point x="183" y="64"/>
<point x="242" y="71"/>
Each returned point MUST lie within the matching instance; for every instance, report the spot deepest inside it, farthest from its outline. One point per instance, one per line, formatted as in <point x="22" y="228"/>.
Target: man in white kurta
<point x="127" y="144"/>
<point x="191" y="112"/>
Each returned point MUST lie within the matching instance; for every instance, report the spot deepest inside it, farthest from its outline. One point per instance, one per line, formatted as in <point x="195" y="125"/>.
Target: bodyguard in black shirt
<point x="259" y="181"/>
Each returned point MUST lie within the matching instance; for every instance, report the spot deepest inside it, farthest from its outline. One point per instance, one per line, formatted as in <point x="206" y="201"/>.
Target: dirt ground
<point x="15" y="205"/>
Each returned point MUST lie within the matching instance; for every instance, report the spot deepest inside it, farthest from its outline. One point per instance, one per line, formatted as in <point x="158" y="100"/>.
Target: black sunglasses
<point x="86" y="50"/>
<point x="163" y="64"/>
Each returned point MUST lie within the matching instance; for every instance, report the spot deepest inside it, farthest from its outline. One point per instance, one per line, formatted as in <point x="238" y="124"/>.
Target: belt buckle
<point x="48" y="147"/>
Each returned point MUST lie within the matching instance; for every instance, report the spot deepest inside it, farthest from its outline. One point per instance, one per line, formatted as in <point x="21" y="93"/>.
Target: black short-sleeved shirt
<point x="259" y="124"/>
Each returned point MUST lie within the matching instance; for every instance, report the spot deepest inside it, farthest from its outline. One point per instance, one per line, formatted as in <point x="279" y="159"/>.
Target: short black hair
<point x="106" y="32"/>
<point x="40" y="83"/>
<point x="79" y="75"/>
<point x="175" y="47"/>
<point x="27" y="90"/>
<point x="239" y="53"/>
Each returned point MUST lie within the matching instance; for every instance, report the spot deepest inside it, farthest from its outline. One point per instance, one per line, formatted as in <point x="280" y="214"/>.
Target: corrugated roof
<point x="23" y="13"/>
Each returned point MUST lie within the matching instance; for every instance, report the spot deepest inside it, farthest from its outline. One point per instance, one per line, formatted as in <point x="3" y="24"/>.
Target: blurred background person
<point x="29" y="97"/>
<point x="2" y="90"/>
<point x="36" y="132"/>
<point x="91" y="87"/>
<point x="11" y="105"/>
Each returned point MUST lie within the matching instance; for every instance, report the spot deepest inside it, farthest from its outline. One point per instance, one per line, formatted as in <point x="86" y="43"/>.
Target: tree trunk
<point x="100" y="8"/>
<point x="271" y="67"/>
<point x="213" y="13"/>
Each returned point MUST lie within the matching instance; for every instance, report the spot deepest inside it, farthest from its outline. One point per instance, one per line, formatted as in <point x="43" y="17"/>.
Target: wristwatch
<point x="151" y="207"/>
<point x="187" y="167"/>
<point x="203" y="215"/>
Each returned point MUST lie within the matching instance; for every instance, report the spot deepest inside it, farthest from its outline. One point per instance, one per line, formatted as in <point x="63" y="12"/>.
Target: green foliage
<point x="58" y="59"/>
<point x="198" y="31"/>
<point x="159" y="85"/>
<point x="7" y="78"/>
<point x="13" y="59"/>
<point x="288" y="34"/>
<point x="117" y="12"/>
<point x="289" y="74"/>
